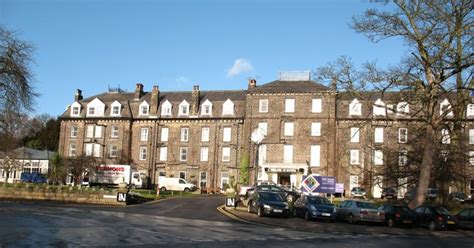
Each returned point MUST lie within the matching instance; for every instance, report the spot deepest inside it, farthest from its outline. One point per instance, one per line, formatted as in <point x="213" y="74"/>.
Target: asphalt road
<point x="180" y="222"/>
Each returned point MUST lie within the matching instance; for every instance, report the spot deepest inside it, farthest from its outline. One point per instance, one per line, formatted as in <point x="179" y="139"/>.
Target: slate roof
<point x="29" y="153"/>
<point x="279" y="86"/>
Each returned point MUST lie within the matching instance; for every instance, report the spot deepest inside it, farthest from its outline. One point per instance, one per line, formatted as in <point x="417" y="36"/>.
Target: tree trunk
<point x="425" y="168"/>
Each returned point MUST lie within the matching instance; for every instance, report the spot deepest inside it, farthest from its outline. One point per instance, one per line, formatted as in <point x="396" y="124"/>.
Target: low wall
<point x="63" y="194"/>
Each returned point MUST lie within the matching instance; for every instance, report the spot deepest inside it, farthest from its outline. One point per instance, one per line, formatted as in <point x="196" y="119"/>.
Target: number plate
<point x="326" y="214"/>
<point x="450" y="222"/>
<point x="407" y="221"/>
<point x="278" y="211"/>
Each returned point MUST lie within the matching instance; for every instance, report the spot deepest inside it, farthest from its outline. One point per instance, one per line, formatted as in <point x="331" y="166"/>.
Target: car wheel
<point x="432" y="225"/>
<point x="307" y="216"/>
<point x="390" y="222"/>
<point x="133" y="186"/>
<point x="186" y="190"/>
<point x="163" y="189"/>
<point x="350" y="219"/>
<point x="294" y="213"/>
<point x="260" y="212"/>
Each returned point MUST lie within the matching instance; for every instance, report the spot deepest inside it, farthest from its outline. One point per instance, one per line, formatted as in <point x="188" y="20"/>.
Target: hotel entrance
<point x="284" y="178"/>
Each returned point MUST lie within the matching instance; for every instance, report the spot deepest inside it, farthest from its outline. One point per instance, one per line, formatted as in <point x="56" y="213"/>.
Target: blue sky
<point x="217" y="44"/>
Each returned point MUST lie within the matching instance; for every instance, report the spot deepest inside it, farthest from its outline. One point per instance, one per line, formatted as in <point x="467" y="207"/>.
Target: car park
<point x="358" y="192"/>
<point x="458" y="197"/>
<point x="314" y="207"/>
<point x="465" y="218"/>
<point x="398" y="215"/>
<point x="354" y="211"/>
<point x="434" y="218"/>
<point x="389" y="193"/>
<point x="268" y="203"/>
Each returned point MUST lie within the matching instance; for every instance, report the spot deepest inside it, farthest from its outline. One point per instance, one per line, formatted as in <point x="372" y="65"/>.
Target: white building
<point x="26" y="160"/>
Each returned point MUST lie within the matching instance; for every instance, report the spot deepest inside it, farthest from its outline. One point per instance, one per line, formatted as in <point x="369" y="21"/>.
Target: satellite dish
<point x="258" y="135"/>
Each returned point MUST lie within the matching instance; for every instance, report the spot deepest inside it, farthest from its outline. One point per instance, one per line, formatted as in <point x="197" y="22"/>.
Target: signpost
<point x="121" y="197"/>
<point x="230" y="202"/>
<point x="318" y="184"/>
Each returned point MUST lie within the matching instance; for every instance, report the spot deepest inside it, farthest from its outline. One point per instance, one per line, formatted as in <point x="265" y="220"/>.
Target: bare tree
<point x="78" y="166"/>
<point x="8" y="166"/>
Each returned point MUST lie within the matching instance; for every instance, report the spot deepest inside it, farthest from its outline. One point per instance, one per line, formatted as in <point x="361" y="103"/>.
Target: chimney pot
<point x="252" y="83"/>
<point x="196" y="87"/>
<point x="78" y="95"/>
<point x="139" y="91"/>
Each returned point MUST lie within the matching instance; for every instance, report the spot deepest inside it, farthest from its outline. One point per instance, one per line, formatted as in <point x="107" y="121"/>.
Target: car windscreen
<point x="267" y="196"/>
<point x="442" y="211"/>
<point x="365" y="205"/>
<point x="402" y="209"/>
<point x="318" y="201"/>
<point x="358" y="189"/>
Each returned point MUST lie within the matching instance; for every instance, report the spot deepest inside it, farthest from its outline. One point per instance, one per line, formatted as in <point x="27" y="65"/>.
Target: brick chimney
<point x="139" y="91"/>
<point x="252" y="83"/>
<point x="155" y="96"/>
<point x="78" y="95"/>
<point x="195" y="100"/>
<point x="334" y="83"/>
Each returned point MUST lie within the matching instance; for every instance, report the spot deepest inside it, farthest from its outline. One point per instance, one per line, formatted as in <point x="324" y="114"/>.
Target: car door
<point x="341" y="211"/>
<point x="427" y="216"/>
<point x="463" y="217"/>
<point x="419" y="212"/>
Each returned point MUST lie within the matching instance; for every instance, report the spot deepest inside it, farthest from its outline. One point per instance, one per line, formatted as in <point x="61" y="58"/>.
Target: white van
<point x="175" y="184"/>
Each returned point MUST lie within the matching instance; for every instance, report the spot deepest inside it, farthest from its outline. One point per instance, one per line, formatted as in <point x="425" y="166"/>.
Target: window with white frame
<point x="289" y="105"/>
<point x="225" y="154"/>
<point x="471" y="136"/>
<point x="378" y="135"/>
<point x="74" y="130"/>
<point x="471" y="157"/>
<point x="75" y="109"/>
<point x="354" y="154"/>
<point x="184" y="134"/>
<point x="288" y="154"/>
<point x="204" y="154"/>
<point x="316" y="106"/>
<point x="445" y="108"/>
<point x="91" y="111"/>
<point x="262" y="154"/>
<point x="470" y="110"/>
<point x="95" y="108"/>
<point x="90" y="131"/>
<point x="183" y="108"/>
<point x="144" y="134"/>
<point x="93" y="150"/>
<point x="166" y="108"/>
<point x="143" y="108"/>
<point x="316" y="129"/>
<point x="227" y="134"/>
<point x="390" y="108"/>
<point x="98" y="132"/>
<point x="183" y="153"/>
<point x="444" y="155"/>
<point x="315" y="155"/>
<point x="228" y="108"/>
<point x="143" y="153"/>
<point x="263" y="126"/>
<point x="403" y="108"/>
<point x="72" y="150"/>
<point x="114" y="133"/>
<point x="224" y="179"/>
<point x="205" y="134"/>
<point x="402" y="135"/>
<point x="355" y="107"/>
<point x="288" y="128"/>
<point x="163" y="153"/>
<point x="378" y="157"/>
<point x="263" y="106"/>
<point x="206" y="108"/>
<point x="89" y="148"/>
<point x="402" y="158"/>
<point x="116" y="107"/>
<point x="164" y="134"/>
<point x="113" y="151"/>
<point x="379" y="108"/>
<point x="355" y="131"/>
<point x="445" y="137"/>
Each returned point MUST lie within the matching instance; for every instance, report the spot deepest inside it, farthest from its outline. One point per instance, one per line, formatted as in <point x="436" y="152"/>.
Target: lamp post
<point x="257" y="137"/>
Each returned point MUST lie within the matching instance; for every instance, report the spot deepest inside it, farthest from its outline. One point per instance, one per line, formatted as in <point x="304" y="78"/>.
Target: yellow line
<point x="222" y="210"/>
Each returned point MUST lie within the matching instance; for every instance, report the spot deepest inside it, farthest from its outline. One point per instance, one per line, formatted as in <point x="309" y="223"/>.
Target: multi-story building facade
<point x="203" y="135"/>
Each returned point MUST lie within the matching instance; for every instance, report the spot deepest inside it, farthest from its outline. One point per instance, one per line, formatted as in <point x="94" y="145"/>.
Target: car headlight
<point x="266" y="206"/>
<point x="286" y="206"/>
<point x="312" y="207"/>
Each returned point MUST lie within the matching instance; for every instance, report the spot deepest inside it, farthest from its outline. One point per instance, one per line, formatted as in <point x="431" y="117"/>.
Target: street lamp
<point x="257" y="137"/>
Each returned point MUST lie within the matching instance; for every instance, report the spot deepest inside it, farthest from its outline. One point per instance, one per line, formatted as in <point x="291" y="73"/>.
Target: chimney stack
<point x="155" y="96"/>
<point x="138" y="91"/>
<point x="78" y="95"/>
<point x="252" y="83"/>
<point x="195" y="100"/>
<point x="334" y="83"/>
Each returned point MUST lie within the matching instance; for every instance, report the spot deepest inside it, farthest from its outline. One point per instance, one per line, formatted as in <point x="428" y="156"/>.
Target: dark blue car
<point x="314" y="207"/>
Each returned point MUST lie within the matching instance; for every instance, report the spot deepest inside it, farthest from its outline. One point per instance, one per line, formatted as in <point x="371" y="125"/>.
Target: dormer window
<point x="379" y="108"/>
<point x="95" y="108"/>
<point x="228" y="108"/>
<point x="183" y="108"/>
<point x="206" y="108"/>
<point x="144" y="108"/>
<point x="91" y="111"/>
<point x="355" y="107"/>
<point x="445" y="108"/>
<point x="116" y="107"/>
<point x="403" y="108"/>
<point x="470" y="110"/>
<point x="166" y="108"/>
<point x="76" y="109"/>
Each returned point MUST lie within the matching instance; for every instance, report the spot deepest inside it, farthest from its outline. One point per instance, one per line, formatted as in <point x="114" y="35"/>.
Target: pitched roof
<point x="29" y="153"/>
<point x="279" y="86"/>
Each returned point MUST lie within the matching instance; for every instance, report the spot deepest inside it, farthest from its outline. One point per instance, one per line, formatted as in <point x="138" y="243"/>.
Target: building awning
<point x="283" y="167"/>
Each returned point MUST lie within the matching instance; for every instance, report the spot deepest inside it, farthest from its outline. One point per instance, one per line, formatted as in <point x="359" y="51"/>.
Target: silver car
<point x="354" y="211"/>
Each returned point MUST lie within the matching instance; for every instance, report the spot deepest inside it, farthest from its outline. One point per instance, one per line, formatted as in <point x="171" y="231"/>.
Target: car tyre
<point x="163" y="189"/>
<point x="390" y="222"/>
<point x="432" y="225"/>
<point x="350" y="219"/>
<point x="186" y="190"/>
<point x="260" y="212"/>
<point x="307" y="216"/>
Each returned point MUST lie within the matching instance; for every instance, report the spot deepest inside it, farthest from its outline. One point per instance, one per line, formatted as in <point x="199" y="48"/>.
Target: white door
<point x="377" y="187"/>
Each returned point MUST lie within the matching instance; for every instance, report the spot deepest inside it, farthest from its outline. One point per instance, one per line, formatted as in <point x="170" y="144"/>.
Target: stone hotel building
<point x="202" y="136"/>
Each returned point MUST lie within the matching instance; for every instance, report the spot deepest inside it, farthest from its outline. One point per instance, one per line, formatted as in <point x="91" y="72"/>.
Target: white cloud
<point x="240" y="66"/>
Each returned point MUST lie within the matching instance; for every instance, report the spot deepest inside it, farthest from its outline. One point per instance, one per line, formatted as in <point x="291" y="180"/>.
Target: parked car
<point x="244" y="190"/>
<point x="410" y="194"/>
<point x="431" y="193"/>
<point x="268" y="203"/>
<point x="353" y="211"/>
<point x="389" y="193"/>
<point x="314" y="207"/>
<point x="176" y="184"/>
<point x="396" y="214"/>
<point x="465" y="218"/>
<point x="458" y="196"/>
<point x="434" y="218"/>
<point x="286" y="194"/>
<point x="358" y="192"/>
